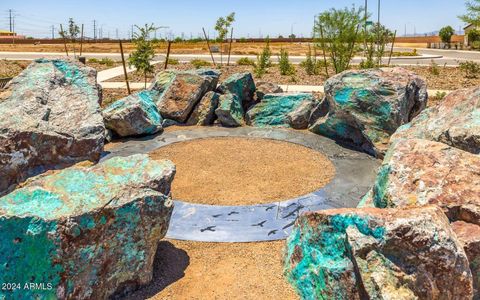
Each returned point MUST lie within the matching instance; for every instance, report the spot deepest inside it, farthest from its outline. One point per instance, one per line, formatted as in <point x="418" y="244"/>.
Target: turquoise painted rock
<point x="49" y="118"/>
<point x="89" y="232"/>
<point x="377" y="254"/>
<point x="366" y="107"/>
<point x="204" y="112"/>
<point x="230" y="111"/>
<point x="180" y="91"/>
<point x="241" y="85"/>
<point x="282" y="110"/>
<point x="134" y="115"/>
<point x="455" y="121"/>
<point x="264" y="88"/>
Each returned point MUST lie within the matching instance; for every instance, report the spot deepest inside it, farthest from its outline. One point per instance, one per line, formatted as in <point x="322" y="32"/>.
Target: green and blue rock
<point x="49" y="118"/>
<point x="134" y="115"/>
<point x="204" y="113"/>
<point x="89" y="232"/>
<point x="455" y="121"/>
<point x="377" y="254"/>
<point x="241" y="85"/>
<point x="180" y="91"/>
<point x="366" y="107"/>
<point x="230" y="111"/>
<point x="282" y="110"/>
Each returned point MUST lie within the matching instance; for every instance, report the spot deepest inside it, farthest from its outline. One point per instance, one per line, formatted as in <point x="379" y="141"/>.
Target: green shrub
<point x="107" y="61"/>
<point x="434" y="69"/>
<point x="200" y="63"/>
<point x="446" y="34"/>
<point x="476" y="45"/>
<point x="311" y="65"/>
<point x="263" y="60"/>
<point x="173" y="61"/>
<point x="286" y="68"/>
<point x="470" y="68"/>
<point x="440" y="95"/>
<point x="245" y="61"/>
<point x="93" y="60"/>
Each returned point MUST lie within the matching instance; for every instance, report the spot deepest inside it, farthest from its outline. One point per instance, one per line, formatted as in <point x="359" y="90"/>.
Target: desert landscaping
<point x="339" y="166"/>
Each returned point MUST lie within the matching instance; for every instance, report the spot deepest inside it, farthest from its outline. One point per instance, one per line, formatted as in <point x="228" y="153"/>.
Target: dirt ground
<point x="244" y="171"/>
<point x="193" y="270"/>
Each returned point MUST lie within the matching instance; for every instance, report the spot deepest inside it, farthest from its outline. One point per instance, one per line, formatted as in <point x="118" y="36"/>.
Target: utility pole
<point x="132" y="32"/>
<point x="95" y="30"/>
<point x="53" y="32"/>
<point x="116" y="33"/>
<point x="10" y="19"/>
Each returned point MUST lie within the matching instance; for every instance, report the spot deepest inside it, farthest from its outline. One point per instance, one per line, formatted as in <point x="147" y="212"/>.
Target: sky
<point x="254" y="18"/>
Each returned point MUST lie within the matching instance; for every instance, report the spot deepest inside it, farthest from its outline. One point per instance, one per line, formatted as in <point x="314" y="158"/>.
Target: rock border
<point x="355" y="174"/>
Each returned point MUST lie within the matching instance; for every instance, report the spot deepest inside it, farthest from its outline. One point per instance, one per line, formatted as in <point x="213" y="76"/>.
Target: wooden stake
<point x="124" y="67"/>
<point x="81" y="42"/>
<point x="230" y="47"/>
<point x="64" y="40"/>
<point x="168" y="54"/>
<point x="323" y="48"/>
<point x="391" y="50"/>
<point x="208" y="45"/>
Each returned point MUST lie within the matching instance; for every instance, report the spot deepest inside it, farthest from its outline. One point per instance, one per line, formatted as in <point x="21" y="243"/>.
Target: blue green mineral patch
<point x="317" y="258"/>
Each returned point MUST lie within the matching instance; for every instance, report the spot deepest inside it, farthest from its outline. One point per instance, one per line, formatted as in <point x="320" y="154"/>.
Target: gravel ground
<point x="193" y="270"/>
<point x="242" y="171"/>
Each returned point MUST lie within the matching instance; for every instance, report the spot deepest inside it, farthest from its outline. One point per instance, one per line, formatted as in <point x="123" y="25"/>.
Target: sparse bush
<point x="144" y="51"/>
<point x="440" y="95"/>
<point x="470" y="68"/>
<point x="263" y="60"/>
<point x="245" y="61"/>
<point x="173" y="61"/>
<point x="376" y="39"/>
<point x="476" y="45"/>
<point x="311" y="65"/>
<point x="434" y="69"/>
<point x="286" y="68"/>
<point x="107" y="61"/>
<point x="222" y="27"/>
<point x="200" y="63"/>
<point x="93" y="60"/>
<point x="446" y="34"/>
<point x="473" y="36"/>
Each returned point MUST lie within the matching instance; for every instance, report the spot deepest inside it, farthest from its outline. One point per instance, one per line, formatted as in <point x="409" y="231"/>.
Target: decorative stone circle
<point x="355" y="174"/>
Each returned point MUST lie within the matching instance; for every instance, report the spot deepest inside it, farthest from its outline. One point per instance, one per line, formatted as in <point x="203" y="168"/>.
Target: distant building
<point x="467" y="29"/>
<point x="5" y="34"/>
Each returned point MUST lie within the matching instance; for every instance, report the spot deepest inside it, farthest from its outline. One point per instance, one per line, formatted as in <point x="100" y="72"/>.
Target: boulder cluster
<point x="416" y="234"/>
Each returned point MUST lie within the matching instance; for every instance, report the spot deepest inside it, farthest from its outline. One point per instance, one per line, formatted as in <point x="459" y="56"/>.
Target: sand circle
<point x="244" y="171"/>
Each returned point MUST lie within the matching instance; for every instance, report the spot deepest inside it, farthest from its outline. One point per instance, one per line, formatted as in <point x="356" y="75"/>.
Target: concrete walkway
<point x="117" y="71"/>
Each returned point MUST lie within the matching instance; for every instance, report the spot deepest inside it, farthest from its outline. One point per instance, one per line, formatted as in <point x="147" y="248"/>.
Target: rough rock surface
<point x="264" y="88"/>
<point x="469" y="236"/>
<point x="181" y="91"/>
<point x="241" y="85"/>
<point x="134" y="115"/>
<point x="88" y="231"/>
<point x="454" y="121"/>
<point x="418" y="172"/>
<point x="377" y="254"/>
<point x="282" y="110"/>
<point x="230" y="111"/>
<point x="204" y="112"/>
<point x="49" y="117"/>
<point x="366" y="107"/>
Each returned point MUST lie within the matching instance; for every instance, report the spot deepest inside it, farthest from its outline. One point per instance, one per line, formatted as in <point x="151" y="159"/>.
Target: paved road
<point x="441" y="57"/>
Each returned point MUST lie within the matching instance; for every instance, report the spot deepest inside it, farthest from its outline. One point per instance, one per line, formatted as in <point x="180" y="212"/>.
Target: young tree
<point x="286" y="67"/>
<point x="446" y="34"/>
<point x="336" y="32"/>
<point x="376" y="38"/>
<point x="263" y="60"/>
<point x="71" y="34"/>
<point x="144" y="50"/>
<point x="473" y="12"/>
<point x="222" y="27"/>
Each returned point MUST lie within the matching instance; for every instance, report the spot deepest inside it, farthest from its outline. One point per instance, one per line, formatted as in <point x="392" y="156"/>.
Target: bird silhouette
<point x="209" y="228"/>
<point x="260" y="224"/>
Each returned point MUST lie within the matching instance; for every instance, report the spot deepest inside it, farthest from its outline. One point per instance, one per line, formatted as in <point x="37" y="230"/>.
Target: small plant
<point x="71" y="34"/>
<point x="286" y="68"/>
<point x="263" y="60"/>
<point x="440" y="95"/>
<point x="93" y="60"/>
<point x="434" y="69"/>
<point x="144" y="51"/>
<point x="173" y="61"/>
<point x="311" y="65"/>
<point x="199" y="63"/>
<point x="245" y="61"/>
<point x="446" y="34"/>
<point x="107" y="61"/>
<point x="222" y="27"/>
<point x="470" y="68"/>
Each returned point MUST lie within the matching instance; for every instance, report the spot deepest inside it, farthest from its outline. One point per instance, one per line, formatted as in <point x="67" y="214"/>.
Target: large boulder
<point x="180" y="91"/>
<point x="263" y="88"/>
<point x="230" y="111"/>
<point x="241" y="85"/>
<point x="134" y="115"/>
<point x="419" y="172"/>
<point x="377" y="254"/>
<point x="455" y="121"/>
<point x="49" y="118"/>
<point x="366" y="107"/>
<point x="282" y="110"/>
<point x="87" y="232"/>
<point x="204" y="112"/>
